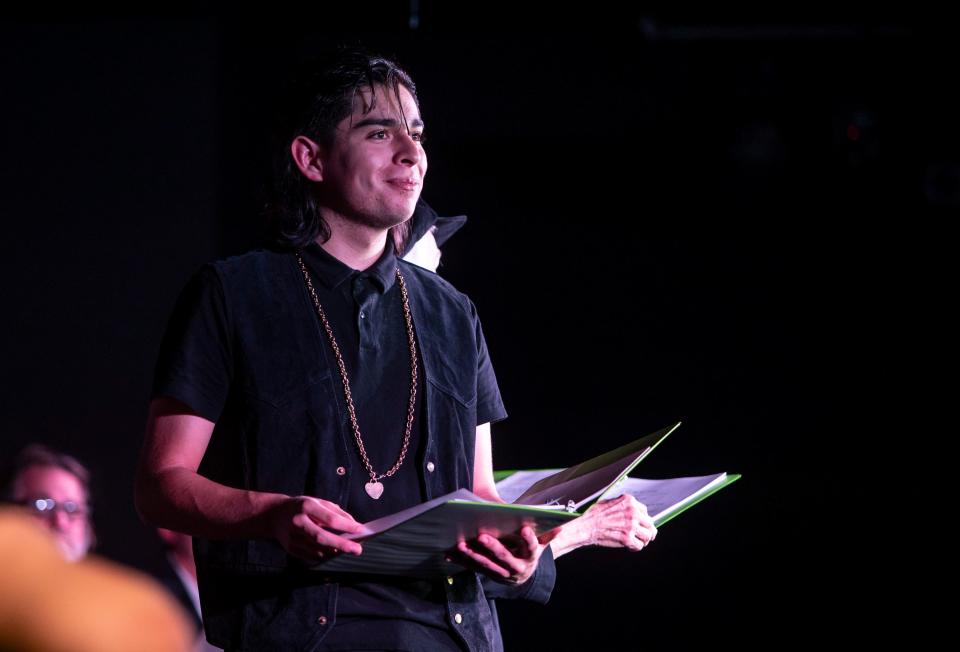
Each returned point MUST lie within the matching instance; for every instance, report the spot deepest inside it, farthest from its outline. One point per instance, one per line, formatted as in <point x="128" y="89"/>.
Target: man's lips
<point x="404" y="184"/>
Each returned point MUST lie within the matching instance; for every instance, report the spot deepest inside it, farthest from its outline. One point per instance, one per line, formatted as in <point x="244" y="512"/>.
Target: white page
<point x="513" y="486"/>
<point x="664" y="496"/>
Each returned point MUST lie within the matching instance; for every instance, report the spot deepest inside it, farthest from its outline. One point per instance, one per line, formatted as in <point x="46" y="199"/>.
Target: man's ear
<point x="306" y="154"/>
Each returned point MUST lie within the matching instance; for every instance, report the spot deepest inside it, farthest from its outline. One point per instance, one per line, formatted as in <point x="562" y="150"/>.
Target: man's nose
<point x="408" y="150"/>
<point x="58" y="521"/>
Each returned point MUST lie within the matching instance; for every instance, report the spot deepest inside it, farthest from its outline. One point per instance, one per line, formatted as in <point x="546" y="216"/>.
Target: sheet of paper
<point x="661" y="497"/>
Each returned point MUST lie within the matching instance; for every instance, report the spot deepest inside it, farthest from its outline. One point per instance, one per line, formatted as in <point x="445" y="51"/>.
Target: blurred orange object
<point x="48" y="604"/>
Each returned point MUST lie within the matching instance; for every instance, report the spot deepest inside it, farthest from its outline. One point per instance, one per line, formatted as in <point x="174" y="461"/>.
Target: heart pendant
<point x="374" y="489"/>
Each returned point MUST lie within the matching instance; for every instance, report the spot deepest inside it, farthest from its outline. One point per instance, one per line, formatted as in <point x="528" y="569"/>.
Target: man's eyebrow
<point x="416" y="123"/>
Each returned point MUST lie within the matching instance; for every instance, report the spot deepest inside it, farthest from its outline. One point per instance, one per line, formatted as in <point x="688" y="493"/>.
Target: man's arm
<point x="483" y="484"/>
<point x="170" y="493"/>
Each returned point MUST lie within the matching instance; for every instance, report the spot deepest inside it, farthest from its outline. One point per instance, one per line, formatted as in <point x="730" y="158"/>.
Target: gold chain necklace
<point x="374" y="487"/>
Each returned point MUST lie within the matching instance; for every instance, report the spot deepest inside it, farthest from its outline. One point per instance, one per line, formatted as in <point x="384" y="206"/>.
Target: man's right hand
<point x="305" y="528"/>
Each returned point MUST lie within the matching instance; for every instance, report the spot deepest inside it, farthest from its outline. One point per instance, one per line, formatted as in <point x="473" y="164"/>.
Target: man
<point x="54" y="488"/>
<point x="304" y="389"/>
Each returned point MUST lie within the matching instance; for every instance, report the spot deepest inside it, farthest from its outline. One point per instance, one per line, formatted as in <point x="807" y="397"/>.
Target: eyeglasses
<point x="45" y="506"/>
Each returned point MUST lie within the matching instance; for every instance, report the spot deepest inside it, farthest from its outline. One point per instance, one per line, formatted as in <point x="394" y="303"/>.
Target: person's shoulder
<point x="265" y="263"/>
<point x="249" y="274"/>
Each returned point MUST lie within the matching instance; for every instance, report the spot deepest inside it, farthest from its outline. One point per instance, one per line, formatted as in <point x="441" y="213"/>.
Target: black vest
<point x="284" y="429"/>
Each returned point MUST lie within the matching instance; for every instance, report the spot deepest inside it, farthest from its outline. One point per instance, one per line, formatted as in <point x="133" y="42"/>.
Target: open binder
<point x="414" y="542"/>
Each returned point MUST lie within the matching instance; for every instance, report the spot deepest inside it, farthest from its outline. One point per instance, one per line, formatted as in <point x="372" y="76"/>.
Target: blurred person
<point x="53" y="487"/>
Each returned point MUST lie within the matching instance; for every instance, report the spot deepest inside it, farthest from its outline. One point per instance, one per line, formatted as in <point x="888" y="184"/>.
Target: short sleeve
<point x="490" y="406"/>
<point x="195" y="363"/>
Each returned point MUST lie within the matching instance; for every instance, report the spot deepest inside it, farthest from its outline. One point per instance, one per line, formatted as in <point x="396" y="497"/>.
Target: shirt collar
<point x="332" y="272"/>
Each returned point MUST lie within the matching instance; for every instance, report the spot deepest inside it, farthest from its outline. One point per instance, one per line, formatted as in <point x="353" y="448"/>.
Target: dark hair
<point x="318" y="96"/>
<point x="40" y="455"/>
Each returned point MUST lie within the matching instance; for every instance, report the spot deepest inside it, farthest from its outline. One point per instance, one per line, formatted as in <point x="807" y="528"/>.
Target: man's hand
<point x="510" y="565"/>
<point x="306" y="527"/>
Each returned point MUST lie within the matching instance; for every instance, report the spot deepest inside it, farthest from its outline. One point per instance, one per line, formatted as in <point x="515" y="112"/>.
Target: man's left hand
<point x="514" y="565"/>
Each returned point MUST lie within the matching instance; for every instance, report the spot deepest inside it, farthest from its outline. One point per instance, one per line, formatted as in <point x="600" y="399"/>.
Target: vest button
<point x="341" y="470"/>
<point x="323" y="620"/>
<point x="431" y="466"/>
<point x="458" y="619"/>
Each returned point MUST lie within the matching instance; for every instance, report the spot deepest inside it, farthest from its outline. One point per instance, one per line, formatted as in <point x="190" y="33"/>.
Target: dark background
<point x="735" y="219"/>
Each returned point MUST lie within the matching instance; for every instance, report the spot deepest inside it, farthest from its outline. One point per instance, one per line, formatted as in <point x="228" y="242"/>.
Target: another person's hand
<point x="307" y="528"/>
<point x="514" y="563"/>
<point x="622" y="522"/>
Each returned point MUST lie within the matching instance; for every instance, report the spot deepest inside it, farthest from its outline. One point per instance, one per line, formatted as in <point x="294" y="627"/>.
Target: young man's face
<point x="373" y="171"/>
<point x="62" y="507"/>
